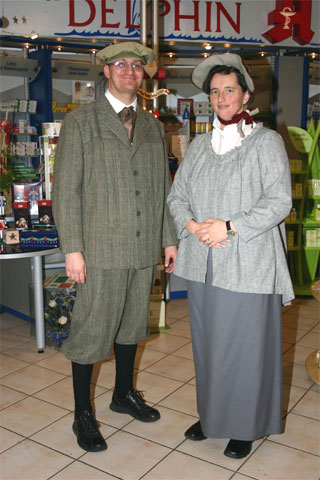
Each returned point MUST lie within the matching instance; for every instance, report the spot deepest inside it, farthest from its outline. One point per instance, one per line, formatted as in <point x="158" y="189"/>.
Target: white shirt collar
<point x="225" y="140"/>
<point x="117" y="105"/>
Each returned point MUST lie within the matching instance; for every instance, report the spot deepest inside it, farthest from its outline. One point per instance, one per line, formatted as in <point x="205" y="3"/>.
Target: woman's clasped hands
<point x="212" y="232"/>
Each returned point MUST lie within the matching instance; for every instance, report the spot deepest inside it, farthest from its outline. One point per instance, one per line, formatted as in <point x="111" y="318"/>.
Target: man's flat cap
<point x="201" y="71"/>
<point x="126" y="50"/>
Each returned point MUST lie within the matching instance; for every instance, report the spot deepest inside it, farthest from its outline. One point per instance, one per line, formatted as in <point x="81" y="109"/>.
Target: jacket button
<point x="138" y="234"/>
<point x="137" y="192"/>
<point x="138" y="213"/>
<point x="135" y="172"/>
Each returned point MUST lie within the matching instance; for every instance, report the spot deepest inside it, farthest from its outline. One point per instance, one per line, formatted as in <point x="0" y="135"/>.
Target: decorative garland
<point x="152" y="95"/>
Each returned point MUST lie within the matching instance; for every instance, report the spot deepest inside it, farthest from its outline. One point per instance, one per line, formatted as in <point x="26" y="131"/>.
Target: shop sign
<point x="72" y="18"/>
<point x="291" y="19"/>
<point x="277" y="22"/>
<point x="296" y="21"/>
<point x="77" y="71"/>
<point x="18" y="67"/>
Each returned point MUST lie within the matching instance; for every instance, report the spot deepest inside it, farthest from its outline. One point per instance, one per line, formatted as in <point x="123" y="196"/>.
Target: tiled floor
<point x="37" y="402"/>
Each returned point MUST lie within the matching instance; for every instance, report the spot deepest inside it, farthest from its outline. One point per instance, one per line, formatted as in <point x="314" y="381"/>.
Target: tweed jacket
<point x="250" y="185"/>
<point x="108" y="196"/>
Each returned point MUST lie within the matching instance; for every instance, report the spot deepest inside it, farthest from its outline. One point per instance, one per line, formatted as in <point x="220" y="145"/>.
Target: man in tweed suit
<point x="111" y="181"/>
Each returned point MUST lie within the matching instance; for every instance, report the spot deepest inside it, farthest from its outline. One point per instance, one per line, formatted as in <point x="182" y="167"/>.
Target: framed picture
<point x="83" y="91"/>
<point x="183" y="103"/>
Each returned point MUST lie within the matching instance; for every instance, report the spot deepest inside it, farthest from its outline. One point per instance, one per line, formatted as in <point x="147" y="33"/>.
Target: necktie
<point x="128" y="117"/>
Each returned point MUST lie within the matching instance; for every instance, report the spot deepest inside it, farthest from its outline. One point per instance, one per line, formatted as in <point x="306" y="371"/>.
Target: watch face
<point x="230" y="233"/>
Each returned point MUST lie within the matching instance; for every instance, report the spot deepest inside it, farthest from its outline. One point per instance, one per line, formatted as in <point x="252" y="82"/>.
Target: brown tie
<point x="128" y="117"/>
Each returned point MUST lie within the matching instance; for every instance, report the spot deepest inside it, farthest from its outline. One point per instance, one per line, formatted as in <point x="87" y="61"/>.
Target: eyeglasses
<point x="123" y="66"/>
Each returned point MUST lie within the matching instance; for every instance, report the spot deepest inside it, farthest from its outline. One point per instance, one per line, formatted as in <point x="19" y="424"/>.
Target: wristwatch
<point x="230" y="232"/>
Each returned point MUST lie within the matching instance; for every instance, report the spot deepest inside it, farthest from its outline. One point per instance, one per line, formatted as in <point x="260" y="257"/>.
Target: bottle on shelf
<point x="293" y="215"/>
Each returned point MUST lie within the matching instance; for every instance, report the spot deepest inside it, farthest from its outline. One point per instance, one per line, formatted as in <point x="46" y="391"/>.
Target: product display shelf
<point x="19" y="147"/>
<point x="303" y="252"/>
<point x="22" y="140"/>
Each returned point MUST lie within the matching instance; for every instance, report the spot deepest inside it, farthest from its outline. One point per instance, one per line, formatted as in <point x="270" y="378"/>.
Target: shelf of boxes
<point x="18" y="105"/>
<point x="303" y="225"/>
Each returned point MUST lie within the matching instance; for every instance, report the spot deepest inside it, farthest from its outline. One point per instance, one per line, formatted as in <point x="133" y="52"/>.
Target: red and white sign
<point x="253" y="22"/>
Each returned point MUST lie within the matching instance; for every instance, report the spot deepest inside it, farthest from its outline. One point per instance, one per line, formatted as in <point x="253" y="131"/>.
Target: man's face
<point x="124" y="76"/>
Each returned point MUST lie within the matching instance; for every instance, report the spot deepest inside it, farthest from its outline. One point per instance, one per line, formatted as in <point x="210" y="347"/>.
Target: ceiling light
<point x="227" y="45"/>
<point x="170" y="55"/>
<point x="26" y="45"/>
<point x="33" y="35"/>
<point x="313" y="55"/>
<point x="207" y="46"/>
<point x="262" y="54"/>
<point x="59" y="48"/>
<point x="206" y="55"/>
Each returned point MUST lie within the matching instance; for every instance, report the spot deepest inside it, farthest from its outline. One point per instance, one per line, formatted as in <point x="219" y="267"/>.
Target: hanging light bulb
<point x="33" y="35"/>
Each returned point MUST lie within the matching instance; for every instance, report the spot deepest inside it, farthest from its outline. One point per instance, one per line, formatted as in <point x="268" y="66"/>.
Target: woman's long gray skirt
<point x="236" y="340"/>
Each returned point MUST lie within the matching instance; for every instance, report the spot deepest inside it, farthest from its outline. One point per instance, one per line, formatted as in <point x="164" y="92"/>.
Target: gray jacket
<point x="250" y="185"/>
<point x="109" y="197"/>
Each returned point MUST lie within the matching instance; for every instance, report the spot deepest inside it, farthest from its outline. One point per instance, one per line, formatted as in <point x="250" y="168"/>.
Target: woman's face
<point x="226" y="95"/>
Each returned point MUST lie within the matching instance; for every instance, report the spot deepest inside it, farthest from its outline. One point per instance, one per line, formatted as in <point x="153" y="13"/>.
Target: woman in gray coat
<point x="229" y="200"/>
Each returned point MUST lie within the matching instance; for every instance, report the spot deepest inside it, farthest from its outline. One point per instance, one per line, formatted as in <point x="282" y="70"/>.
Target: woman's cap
<point x="126" y="50"/>
<point x="201" y="71"/>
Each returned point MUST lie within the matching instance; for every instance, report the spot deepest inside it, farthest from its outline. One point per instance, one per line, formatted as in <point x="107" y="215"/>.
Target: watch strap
<point x="230" y="232"/>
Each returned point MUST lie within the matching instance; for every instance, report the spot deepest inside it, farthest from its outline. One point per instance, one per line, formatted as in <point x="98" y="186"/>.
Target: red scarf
<point x="236" y="119"/>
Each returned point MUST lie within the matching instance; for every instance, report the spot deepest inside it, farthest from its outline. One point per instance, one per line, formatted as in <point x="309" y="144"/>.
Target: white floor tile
<point x="37" y="411"/>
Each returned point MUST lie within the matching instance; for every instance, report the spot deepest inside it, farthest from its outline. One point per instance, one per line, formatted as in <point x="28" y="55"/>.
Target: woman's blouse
<point x="223" y="141"/>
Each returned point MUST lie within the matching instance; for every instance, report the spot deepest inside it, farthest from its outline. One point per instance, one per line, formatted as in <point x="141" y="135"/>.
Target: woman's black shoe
<point x="88" y="434"/>
<point x="195" y="432"/>
<point x="238" y="448"/>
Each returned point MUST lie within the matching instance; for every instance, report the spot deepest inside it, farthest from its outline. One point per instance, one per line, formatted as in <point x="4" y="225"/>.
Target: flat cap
<point x="201" y="71"/>
<point x="126" y="50"/>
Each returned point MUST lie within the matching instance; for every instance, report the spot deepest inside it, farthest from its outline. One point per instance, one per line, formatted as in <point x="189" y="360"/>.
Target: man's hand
<point x="170" y="258"/>
<point x="76" y="267"/>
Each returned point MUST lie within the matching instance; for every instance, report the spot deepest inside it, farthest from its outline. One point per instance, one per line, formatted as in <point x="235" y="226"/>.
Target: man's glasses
<point x="123" y="66"/>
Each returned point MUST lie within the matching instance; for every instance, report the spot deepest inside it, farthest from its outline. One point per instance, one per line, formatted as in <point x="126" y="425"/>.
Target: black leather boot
<point x="88" y="435"/>
<point x="195" y="432"/>
<point x="238" y="448"/>
<point x="134" y="404"/>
